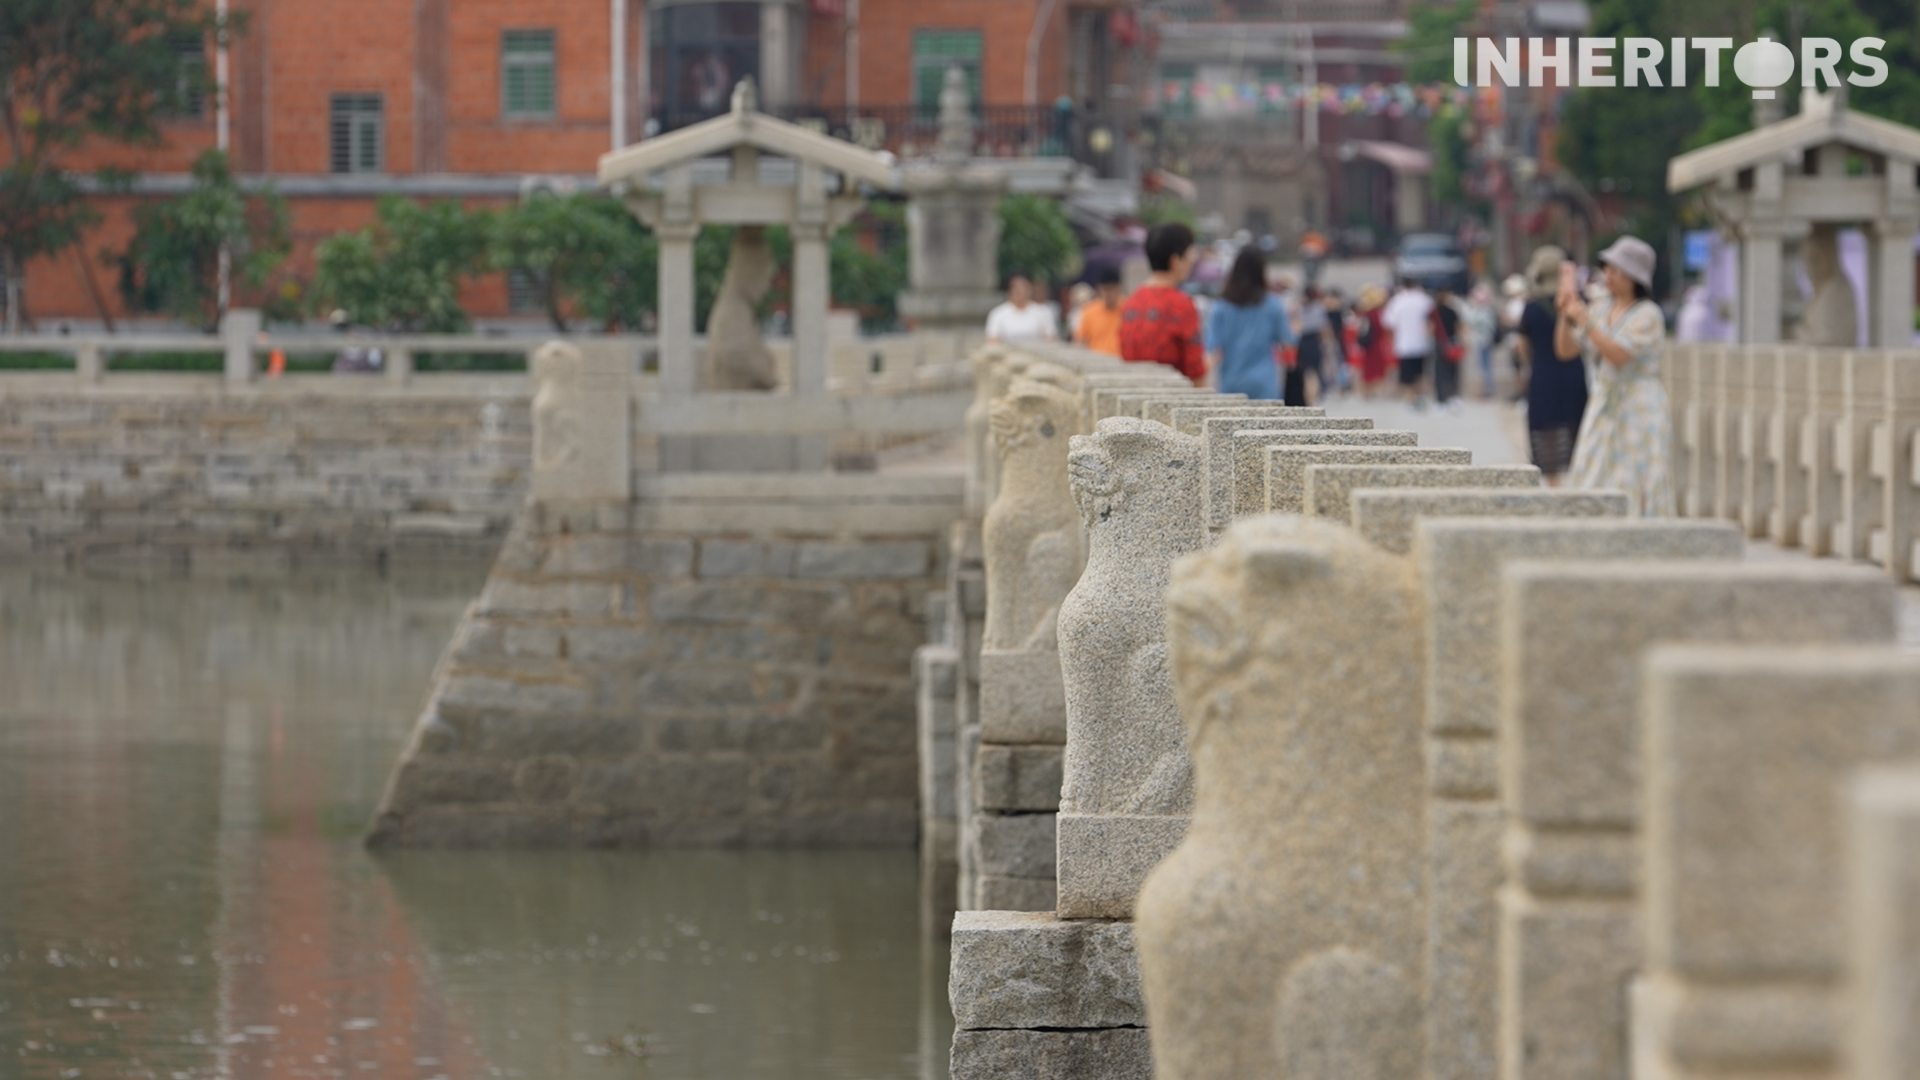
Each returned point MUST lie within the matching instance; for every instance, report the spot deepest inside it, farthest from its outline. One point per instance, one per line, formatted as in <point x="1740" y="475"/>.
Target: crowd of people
<point x="1582" y="347"/>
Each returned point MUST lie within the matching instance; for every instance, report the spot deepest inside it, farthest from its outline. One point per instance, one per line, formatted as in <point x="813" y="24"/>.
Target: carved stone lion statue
<point x="1284" y="936"/>
<point x="1032" y="533"/>
<point x="1137" y="484"/>
<point x="737" y="359"/>
<point x="1831" y="317"/>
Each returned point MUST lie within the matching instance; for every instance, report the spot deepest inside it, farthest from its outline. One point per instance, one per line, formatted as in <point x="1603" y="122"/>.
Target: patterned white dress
<point x="1626" y="437"/>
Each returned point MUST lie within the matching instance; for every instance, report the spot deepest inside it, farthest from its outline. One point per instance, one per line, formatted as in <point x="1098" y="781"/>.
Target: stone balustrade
<point x="1486" y="780"/>
<point x="1812" y="448"/>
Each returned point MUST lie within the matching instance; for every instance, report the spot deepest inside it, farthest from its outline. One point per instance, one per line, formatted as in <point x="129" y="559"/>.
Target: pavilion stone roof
<point x="745" y="125"/>
<point x="1823" y="119"/>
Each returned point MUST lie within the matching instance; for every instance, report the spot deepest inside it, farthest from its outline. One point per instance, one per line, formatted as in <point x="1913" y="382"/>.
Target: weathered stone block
<point x="1022" y="697"/>
<point x="745" y="558"/>
<point x="610" y="642"/>
<point x="1882" y="915"/>
<point x="1386" y="517"/>
<point x="1017" y="777"/>
<point x="515" y="735"/>
<point x="660" y="556"/>
<point x="1572" y="636"/>
<point x="483" y="696"/>
<point x="1216" y="451"/>
<point x="1187" y="418"/>
<point x="1459" y="561"/>
<point x="1744" y="843"/>
<point x="1032" y="970"/>
<point x="432" y="780"/>
<point x="702" y="734"/>
<point x="995" y="893"/>
<point x="535" y="641"/>
<point x="873" y="559"/>
<point x="1013" y="845"/>
<point x="671" y="787"/>
<point x="692" y="602"/>
<point x="508" y="596"/>
<point x="1104" y="859"/>
<point x="1110" y="1054"/>
<point x="1286" y="467"/>
<point x="1330" y="488"/>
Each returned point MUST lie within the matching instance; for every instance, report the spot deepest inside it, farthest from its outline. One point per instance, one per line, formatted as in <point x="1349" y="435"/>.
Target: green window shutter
<point x="527" y="73"/>
<point x="933" y="51"/>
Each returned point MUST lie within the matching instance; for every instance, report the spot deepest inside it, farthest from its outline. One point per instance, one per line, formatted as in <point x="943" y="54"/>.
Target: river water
<point x="186" y="766"/>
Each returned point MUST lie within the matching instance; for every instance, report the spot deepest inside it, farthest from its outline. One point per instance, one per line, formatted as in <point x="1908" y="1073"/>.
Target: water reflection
<point x="185" y="768"/>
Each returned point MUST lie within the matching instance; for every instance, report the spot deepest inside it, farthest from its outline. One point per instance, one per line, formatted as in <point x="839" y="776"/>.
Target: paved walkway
<point x="1495" y="432"/>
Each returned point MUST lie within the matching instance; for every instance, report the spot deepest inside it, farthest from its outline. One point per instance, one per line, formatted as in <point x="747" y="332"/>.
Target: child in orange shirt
<point x="1100" y="319"/>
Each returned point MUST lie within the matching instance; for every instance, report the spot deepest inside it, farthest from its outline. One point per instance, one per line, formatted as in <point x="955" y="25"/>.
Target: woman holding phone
<point x="1625" y="435"/>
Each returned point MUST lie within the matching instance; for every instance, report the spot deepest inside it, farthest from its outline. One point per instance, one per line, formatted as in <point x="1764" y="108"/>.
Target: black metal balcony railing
<point x="909" y="130"/>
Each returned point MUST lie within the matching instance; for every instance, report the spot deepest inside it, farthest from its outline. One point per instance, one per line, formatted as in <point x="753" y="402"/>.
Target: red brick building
<point x="339" y="101"/>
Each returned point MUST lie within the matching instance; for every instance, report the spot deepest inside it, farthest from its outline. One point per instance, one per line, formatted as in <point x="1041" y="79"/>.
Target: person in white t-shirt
<point x="1020" y="318"/>
<point x="1408" y="315"/>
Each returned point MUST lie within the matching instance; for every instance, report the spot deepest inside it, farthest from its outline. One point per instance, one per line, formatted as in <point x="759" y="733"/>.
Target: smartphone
<point x="1569" y="281"/>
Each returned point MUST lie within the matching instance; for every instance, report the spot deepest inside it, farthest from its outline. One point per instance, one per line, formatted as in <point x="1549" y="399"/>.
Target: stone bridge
<point x="1486" y="779"/>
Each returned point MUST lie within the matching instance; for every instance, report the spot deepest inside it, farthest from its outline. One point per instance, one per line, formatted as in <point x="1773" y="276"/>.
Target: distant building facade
<point x="337" y="102"/>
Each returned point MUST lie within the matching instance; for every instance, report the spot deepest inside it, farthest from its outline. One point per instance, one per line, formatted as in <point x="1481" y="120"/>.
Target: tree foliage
<point x="404" y="272"/>
<point x="71" y="70"/>
<point x="1621" y="138"/>
<point x="172" y="264"/>
<point x="586" y="255"/>
<point x="1428" y="46"/>
<point x="1035" y="239"/>
<point x="869" y="264"/>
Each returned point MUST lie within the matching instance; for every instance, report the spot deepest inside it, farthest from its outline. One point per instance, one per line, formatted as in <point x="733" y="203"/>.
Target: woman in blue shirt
<point x="1244" y="328"/>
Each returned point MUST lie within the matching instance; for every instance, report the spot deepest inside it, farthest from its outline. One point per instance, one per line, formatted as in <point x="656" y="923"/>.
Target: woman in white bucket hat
<point x="1625" y="435"/>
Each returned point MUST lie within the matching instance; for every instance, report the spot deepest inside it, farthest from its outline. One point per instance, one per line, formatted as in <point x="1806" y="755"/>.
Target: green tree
<point x="868" y="260"/>
<point x="1428" y="46"/>
<point x="404" y="272"/>
<point x="1619" y="139"/>
<point x="1728" y="108"/>
<point x="71" y="70"/>
<point x="1452" y="155"/>
<point x="172" y="264"/>
<point x="584" y="253"/>
<point x="1035" y="239"/>
<point x="1159" y="209"/>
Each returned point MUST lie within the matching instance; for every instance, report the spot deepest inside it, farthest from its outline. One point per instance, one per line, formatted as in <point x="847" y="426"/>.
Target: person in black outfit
<point x="1556" y="388"/>
<point x="1447" y="347"/>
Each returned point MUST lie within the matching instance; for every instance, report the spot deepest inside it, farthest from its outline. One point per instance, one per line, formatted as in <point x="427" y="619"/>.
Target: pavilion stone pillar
<point x="678" y="363"/>
<point x="812" y="287"/>
<point x="811" y="293"/>
<point x="1892" y="301"/>
<point x="1891" y="236"/>
<point x="1760" y="237"/>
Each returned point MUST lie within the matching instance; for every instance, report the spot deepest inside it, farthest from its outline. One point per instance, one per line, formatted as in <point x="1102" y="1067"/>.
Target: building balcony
<point x="1004" y="131"/>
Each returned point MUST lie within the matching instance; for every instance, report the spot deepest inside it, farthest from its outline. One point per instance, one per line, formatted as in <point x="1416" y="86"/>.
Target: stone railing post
<point x="1883" y="897"/>
<point x="238" y="329"/>
<point x="89" y="362"/>
<point x="582" y="424"/>
<point x="399" y="365"/>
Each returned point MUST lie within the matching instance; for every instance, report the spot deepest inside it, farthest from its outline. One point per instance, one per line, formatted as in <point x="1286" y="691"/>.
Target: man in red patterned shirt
<point x="1159" y="323"/>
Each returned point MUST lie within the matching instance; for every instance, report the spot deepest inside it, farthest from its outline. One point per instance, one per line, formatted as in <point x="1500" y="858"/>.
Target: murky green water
<point x="185" y="768"/>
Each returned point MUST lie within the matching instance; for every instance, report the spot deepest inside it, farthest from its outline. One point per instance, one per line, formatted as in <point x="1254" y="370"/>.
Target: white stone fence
<point x="857" y="364"/>
<point x="1811" y="447"/>
<point x="1375" y="762"/>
